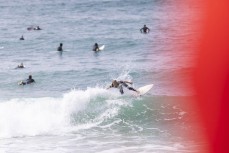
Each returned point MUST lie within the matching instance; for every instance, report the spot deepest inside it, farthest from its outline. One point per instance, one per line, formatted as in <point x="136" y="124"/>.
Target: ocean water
<point x="68" y="109"/>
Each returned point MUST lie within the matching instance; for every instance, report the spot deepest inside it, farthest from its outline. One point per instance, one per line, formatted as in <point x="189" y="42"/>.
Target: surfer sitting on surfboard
<point x="119" y="84"/>
<point x="60" y="47"/>
<point x="95" y="47"/>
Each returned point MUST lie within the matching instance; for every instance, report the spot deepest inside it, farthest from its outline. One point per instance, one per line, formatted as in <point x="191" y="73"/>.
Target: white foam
<point x="113" y="107"/>
<point x="41" y="116"/>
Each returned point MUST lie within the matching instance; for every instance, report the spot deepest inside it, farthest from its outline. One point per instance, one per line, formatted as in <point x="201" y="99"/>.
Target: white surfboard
<point x="102" y="47"/>
<point x="21" y="83"/>
<point x="143" y="90"/>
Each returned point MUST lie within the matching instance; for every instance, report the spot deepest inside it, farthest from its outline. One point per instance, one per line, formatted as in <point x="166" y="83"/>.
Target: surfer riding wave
<point x="120" y="84"/>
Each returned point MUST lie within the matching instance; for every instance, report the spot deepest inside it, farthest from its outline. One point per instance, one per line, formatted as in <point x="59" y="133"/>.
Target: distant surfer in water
<point x="22" y="38"/>
<point x="32" y="28"/>
<point x="20" y="66"/>
<point x="60" y="47"/>
<point x="28" y="81"/>
<point x="95" y="47"/>
<point x="37" y="28"/>
<point x="120" y="84"/>
<point x="145" y="29"/>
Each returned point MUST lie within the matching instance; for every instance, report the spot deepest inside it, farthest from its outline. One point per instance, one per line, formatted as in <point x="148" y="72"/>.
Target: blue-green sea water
<point x="68" y="109"/>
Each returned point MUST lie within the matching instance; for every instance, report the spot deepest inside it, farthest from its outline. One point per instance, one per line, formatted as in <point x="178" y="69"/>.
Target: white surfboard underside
<point x="143" y="90"/>
<point x="102" y="47"/>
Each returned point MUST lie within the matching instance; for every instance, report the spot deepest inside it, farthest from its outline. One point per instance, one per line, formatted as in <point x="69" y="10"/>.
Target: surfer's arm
<point x="128" y="82"/>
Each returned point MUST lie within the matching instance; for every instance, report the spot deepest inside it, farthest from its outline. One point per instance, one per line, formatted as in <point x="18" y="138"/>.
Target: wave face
<point x="38" y="116"/>
<point x="93" y="108"/>
<point x="101" y="118"/>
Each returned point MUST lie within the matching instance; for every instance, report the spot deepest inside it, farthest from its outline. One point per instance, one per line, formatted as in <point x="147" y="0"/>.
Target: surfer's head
<point x="61" y="44"/>
<point x="30" y="76"/>
<point x="115" y="83"/>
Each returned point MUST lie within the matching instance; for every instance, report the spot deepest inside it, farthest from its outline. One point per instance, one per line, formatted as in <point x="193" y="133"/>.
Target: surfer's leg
<point x="130" y="88"/>
<point x="125" y="85"/>
<point x="121" y="89"/>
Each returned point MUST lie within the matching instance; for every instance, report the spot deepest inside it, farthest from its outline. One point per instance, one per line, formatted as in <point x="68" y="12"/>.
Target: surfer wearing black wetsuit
<point x="22" y="38"/>
<point x="145" y="29"/>
<point x="120" y="84"/>
<point x="37" y="28"/>
<point x="28" y="81"/>
<point x="34" y="28"/>
<point x="96" y="47"/>
<point x="60" y="47"/>
<point x="20" y="66"/>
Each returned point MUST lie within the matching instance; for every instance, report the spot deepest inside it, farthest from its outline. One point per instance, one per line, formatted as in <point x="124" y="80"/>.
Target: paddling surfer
<point x="28" y="81"/>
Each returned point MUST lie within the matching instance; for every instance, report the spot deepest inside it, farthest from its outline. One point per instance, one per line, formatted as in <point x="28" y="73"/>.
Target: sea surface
<point x="68" y="109"/>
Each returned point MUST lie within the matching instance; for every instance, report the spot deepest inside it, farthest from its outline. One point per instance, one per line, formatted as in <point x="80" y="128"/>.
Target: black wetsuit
<point x="37" y="28"/>
<point x="122" y="83"/>
<point x="20" y="66"/>
<point x="28" y="81"/>
<point x="30" y="28"/>
<point x="96" y="47"/>
<point x="60" y="48"/>
<point x="145" y="30"/>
